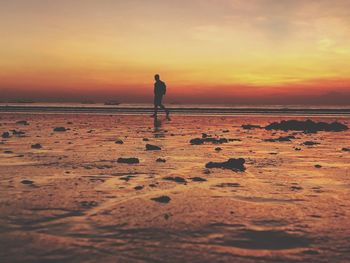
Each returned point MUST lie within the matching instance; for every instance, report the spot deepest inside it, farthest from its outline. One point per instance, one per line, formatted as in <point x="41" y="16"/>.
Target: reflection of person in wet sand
<point x="159" y="92"/>
<point x="158" y="131"/>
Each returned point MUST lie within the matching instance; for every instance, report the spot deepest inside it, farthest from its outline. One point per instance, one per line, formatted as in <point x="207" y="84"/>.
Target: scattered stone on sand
<point x="88" y="203"/>
<point x="161" y="160"/>
<point x="176" y="179"/>
<point x="250" y="127"/>
<point x="198" y="179"/>
<point x="18" y="133"/>
<point x="297" y="149"/>
<point x="8" y="152"/>
<point x="145" y="139"/>
<point x="310" y="143"/>
<point x="60" y="129"/>
<point x="318" y="166"/>
<point x="234" y="140"/>
<point x="150" y="147"/>
<point x="232" y="164"/>
<point x="119" y="141"/>
<point x="307" y="126"/>
<point x="204" y="135"/>
<point x="346" y="149"/>
<point x="22" y="123"/>
<point x="5" y="135"/>
<point x="104" y="166"/>
<point x="296" y="188"/>
<point x="125" y="178"/>
<point x="281" y="139"/>
<point x="199" y="141"/>
<point x="228" y="185"/>
<point x="206" y="171"/>
<point x="139" y="187"/>
<point x="131" y="160"/>
<point x="29" y="182"/>
<point x="166" y="216"/>
<point x="36" y="146"/>
<point x="69" y="123"/>
<point x="162" y="199"/>
<point x="218" y="149"/>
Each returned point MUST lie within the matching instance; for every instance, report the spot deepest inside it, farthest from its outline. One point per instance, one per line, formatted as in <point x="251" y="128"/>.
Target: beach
<point x="66" y="196"/>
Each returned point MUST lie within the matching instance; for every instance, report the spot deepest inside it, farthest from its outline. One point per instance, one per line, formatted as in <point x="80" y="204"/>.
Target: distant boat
<point x="112" y="103"/>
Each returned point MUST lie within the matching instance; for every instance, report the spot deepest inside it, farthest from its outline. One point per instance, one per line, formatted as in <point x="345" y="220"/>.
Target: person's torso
<point x="159" y="88"/>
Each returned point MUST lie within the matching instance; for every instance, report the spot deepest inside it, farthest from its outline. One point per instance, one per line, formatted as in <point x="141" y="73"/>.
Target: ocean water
<point x="185" y="109"/>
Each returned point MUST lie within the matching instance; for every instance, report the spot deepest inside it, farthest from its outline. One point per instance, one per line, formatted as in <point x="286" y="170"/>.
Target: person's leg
<point x="167" y="112"/>
<point x="155" y="107"/>
<point x="163" y="107"/>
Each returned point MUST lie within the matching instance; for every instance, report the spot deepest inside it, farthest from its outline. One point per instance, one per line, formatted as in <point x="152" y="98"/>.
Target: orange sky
<point x="229" y="51"/>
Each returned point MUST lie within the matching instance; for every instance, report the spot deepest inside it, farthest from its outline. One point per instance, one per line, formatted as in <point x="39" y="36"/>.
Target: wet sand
<point x="70" y="200"/>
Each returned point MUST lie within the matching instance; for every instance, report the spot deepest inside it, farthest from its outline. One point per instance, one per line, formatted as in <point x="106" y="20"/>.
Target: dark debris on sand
<point x="205" y="135"/>
<point x="36" y="146"/>
<point x="88" y="203"/>
<point x="150" y="147"/>
<point x="250" y="127"/>
<point x="281" y="139"/>
<point x="310" y="143"/>
<point x="28" y="182"/>
<point x="200" y="141"/>
<point x="198" y="179"/>
<point x="232" y="164"/>
<point x="307" y="126"/>
<point x="161" y="160"/>
<point x="22" y="123"/>
<point x="162" y="199"/>
<point x="346" y="149"/>
<point x="176" y="179"/>
<point x="5" y="135"/>
<point x="131" y="160"/>
<point x="119" y="141"/>
<point x="18" y="133"/>
<point x="222" y="185"/>
<point x="60" y="129"/>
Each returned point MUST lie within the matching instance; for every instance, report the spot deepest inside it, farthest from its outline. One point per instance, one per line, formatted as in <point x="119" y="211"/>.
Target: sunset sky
<point x="210" y="51"/>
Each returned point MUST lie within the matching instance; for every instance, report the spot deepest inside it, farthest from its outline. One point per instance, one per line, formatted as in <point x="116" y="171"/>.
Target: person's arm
<point x="164" y="89"/>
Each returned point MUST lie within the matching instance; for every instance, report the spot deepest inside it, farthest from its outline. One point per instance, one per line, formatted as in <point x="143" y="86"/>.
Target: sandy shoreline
<point x="70" y="200"/>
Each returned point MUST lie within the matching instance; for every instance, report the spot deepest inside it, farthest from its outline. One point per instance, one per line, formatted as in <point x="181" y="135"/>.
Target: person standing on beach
<point x="159" y="92"/>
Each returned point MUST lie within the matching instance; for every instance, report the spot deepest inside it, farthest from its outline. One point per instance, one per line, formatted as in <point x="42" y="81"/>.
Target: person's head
<point x="156" y="77"/>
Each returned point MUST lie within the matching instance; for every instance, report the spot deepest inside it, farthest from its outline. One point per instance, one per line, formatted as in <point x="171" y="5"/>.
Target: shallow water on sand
<point x="72" y="201"/>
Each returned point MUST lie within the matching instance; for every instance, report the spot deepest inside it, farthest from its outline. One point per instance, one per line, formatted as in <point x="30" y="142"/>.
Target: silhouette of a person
<point x="159" y="92"/>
